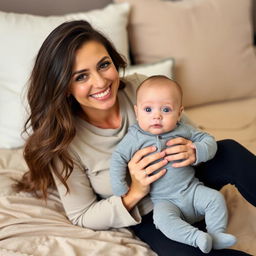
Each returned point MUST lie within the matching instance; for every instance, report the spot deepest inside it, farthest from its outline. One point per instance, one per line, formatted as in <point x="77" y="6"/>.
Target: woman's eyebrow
<point x="79" y="71"/>
<point x="102" y="59"/>
<point x="84" y="70"/>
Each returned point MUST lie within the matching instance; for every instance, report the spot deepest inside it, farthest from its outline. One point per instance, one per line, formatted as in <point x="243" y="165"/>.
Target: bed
<point x="30" y="226"/>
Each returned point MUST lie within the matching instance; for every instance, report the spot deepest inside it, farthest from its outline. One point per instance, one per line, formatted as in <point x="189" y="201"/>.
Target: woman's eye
<point x="148" y="109"/>
<point x="104" y="64"/>
<point x="166" y="109"/>
<point x="81" y="77"/>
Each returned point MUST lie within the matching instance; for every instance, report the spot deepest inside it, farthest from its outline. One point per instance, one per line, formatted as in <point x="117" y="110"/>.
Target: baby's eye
<point x="81" y="77"/>
<point x="104" y="64"/>
<point x="148" y="109"/>
<point x="166" y="109"/>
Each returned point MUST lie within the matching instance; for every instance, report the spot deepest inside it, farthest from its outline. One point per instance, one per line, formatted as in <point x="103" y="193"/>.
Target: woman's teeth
<point x="102" y="94"/>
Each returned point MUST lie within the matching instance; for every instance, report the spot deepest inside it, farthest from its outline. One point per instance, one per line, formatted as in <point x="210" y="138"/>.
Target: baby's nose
<point x="157" y="116"/>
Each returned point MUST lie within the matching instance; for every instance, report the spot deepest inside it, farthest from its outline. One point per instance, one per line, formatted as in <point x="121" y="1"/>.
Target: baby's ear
<point x="180" y="112"/>
<point x="136" y="110"/>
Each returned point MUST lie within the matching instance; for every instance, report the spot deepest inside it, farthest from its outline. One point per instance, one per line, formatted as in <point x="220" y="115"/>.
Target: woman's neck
<point x="105" y="119"/>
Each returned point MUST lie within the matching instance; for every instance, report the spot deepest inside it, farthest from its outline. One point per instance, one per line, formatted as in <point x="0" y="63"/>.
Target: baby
<point x="179" y="198"/>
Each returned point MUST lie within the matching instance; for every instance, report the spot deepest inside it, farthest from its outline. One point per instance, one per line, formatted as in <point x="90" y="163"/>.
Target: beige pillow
<point x="210" y="40"/>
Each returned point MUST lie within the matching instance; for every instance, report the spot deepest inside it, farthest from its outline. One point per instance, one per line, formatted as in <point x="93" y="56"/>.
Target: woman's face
<point x="95" y="80"/>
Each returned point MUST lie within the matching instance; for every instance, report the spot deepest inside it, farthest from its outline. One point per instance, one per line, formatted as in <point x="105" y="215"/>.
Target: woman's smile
<point x="103" y="95"/>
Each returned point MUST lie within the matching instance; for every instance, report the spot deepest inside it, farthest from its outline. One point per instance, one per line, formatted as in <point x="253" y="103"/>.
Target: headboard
<point x="58" y="7"/>
<point x="49" y="7"/>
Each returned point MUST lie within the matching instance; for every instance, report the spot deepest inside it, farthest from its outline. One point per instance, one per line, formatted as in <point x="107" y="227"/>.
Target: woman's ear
<point x="68" y="94"/>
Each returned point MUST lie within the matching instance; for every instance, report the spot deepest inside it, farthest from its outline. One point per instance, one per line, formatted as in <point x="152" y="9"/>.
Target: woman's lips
<point x="102" y="95"/>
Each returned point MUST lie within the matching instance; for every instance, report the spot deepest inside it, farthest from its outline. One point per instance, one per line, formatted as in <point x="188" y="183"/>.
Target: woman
<point x="80" y="110"/>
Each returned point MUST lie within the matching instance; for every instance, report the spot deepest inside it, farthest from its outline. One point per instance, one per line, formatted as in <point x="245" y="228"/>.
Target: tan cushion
<point x="241" y="221"/>
<point x="235" y="119"/>
<point x="210" y="40"/>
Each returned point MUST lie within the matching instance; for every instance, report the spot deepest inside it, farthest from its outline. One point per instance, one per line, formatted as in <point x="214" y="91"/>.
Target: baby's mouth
<point x="157" y="126"/>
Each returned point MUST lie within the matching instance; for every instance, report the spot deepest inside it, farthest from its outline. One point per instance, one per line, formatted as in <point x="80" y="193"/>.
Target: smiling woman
<point x="56" y="94"/>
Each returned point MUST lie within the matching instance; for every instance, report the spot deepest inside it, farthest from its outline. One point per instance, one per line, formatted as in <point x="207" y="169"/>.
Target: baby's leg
<point x="212" y="203"/>
<point x="168" y="218"/>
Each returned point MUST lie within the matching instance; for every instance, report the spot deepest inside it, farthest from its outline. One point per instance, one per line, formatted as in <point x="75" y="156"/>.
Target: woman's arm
<point x="83" y="207"/>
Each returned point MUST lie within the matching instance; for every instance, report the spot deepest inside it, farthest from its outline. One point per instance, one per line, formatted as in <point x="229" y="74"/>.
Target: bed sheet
<point x="30" y="226"/>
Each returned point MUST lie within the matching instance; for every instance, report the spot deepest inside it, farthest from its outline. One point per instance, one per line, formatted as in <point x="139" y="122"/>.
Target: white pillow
<point x="21" y="37"/>
<point x="163" y="67"/>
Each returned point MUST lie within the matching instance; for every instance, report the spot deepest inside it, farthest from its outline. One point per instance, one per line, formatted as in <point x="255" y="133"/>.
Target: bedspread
<point x="31" y="226"/>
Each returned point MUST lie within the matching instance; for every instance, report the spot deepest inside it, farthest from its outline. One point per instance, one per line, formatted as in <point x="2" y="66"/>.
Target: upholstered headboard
<point x="49" y="7"/>
<point x="254" y="19"/>
<point x="56" y="7"/>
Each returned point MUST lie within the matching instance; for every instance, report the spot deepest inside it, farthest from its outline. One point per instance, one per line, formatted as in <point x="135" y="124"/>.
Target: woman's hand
<point x="180" y="149"/>
<point x="142" y="174"/>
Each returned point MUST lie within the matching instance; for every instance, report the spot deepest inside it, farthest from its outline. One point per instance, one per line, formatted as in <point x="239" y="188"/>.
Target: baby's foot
<point x="222" y="240"/>
<point x="204" y="242"/>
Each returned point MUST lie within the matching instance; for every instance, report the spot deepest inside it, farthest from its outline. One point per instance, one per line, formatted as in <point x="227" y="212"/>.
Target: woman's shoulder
<point x="131" y="84"/>
<point x="134" y="80"/>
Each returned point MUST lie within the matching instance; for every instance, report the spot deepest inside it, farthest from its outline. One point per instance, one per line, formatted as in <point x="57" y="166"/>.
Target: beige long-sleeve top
<point x="90" y="202"/>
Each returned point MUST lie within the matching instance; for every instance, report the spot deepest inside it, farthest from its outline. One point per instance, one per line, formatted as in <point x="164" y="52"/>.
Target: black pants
<point x="232" y="164"/>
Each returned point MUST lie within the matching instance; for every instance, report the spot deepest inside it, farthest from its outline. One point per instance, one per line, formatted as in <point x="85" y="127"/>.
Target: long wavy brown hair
<point x="52" y="109"/>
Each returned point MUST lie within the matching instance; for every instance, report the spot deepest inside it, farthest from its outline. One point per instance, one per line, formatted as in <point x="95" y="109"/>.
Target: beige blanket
<point x="29" y="226"/>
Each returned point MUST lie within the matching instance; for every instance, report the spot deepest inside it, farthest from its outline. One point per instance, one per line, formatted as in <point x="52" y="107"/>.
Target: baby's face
<point x="158" y="107"/>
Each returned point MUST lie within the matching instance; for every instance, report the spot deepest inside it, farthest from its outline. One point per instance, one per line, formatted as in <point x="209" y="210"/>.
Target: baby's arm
<point x="205" y="145"/>
<point x="119" y="165"/>
<point x="118" y="170"/>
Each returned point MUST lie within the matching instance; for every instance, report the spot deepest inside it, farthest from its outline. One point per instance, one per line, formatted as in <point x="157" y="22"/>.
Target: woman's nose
<point x="98" y="80"/>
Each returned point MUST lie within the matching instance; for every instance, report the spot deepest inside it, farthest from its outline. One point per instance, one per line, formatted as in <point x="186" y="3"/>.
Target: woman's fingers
<point x="156" y="176"/>
<point x="178" y="156"/>
<point x="152" y="168"/>
<point x="134" y="163"/>
<point x="142" y="167"/>
<point x="182" y="163"/>
<point x="142" y="152"/>
<point x="143" y="159"/>
<point x="178" y="141"/>
<point x="181" y="149"/>
<point x="187" y="157"/>
<point x="176" y="149"/>
<point x="148" y="160"/>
